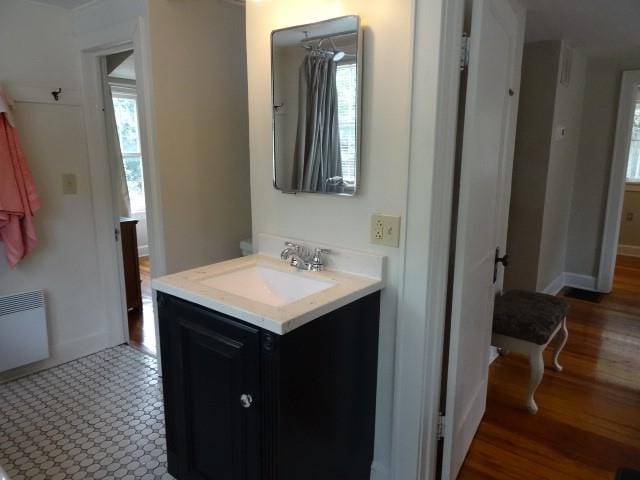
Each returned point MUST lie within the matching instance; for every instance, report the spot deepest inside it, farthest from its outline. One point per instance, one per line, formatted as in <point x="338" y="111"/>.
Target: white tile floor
<point x="98" y="417"/>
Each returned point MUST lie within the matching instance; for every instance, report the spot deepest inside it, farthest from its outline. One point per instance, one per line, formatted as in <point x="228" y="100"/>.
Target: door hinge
<point x="464" y="51"/>
<point x="116" y="232"/>
<point x="440" y="426"/>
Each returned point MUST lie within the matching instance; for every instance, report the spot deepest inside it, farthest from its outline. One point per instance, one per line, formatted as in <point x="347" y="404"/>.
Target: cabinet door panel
<point x="213" y="385"/>
<point x="215" y="360"/>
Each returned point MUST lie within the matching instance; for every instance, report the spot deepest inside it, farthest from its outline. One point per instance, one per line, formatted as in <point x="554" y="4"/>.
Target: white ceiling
<point x="601" y="27"/>
<point x="65" y="3"/>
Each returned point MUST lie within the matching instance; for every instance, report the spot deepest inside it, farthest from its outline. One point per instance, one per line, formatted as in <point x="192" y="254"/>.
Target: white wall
<point x="385" y="151"/>
<point x="602" y="91"/>
<point x="201" y="129"/>
<point x="531" y="163"/>
<point x="544" y="167"/>
<point x="142" y="234"/>
<point x="563" y="155"/>
<point x="39" y="51"/>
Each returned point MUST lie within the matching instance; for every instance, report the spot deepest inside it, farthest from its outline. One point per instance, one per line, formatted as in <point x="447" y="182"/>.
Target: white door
<point x="497" y="33"/>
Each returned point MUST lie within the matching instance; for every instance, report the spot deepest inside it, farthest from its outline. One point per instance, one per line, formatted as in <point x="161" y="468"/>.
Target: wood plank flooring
<point x="589" y="420"/>
<point x="142" y="332"/>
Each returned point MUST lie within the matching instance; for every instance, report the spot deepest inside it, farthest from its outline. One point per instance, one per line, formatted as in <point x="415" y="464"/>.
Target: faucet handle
<point x="318" y="264"/>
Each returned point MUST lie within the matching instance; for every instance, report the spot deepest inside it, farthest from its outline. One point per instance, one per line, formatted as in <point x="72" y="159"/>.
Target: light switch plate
<point x="69" y="184"/>
<point x="385" y="230"/>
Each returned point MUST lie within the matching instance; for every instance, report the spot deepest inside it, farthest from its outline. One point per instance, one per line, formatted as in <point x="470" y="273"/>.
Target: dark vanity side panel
<point x="209" y="360"/>
<point x="325" y="404"/>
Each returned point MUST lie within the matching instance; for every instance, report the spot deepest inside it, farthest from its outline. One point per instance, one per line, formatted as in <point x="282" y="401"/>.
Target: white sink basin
<point x="267" y="285"/>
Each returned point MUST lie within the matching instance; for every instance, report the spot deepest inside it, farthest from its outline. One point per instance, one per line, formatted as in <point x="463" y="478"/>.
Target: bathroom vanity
<point x="268" y="372"/>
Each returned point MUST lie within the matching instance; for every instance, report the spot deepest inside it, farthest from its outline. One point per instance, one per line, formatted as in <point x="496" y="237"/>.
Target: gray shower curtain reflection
<point x="317" y="156"/>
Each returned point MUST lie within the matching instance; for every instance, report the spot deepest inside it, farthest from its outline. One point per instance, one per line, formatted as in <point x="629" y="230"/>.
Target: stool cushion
<point x="528" y="316"/>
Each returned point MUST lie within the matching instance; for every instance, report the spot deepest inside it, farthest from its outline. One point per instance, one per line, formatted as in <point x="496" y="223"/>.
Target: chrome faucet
<point x="301" y="257"/>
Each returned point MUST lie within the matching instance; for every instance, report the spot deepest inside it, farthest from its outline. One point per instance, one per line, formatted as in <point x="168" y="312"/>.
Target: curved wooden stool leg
<point x="565" y="335"/>
<point x="537" y="371"/>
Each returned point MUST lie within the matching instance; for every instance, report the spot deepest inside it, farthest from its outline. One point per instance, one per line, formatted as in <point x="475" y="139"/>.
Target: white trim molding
<point x="437" y="38"/>
<point x="629" y="250"/>
<point x="617" y="180"/>
<point x="62" y="353"/>
<point x="584" y="282"/>
<point x="554" y="287"/>
<point x="575" y="280"/>
<point x="132" y="33"/>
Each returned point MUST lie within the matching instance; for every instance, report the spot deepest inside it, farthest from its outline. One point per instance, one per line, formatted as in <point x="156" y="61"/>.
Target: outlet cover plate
<point x="69" y="184"/>
<point x="385" y="230"/>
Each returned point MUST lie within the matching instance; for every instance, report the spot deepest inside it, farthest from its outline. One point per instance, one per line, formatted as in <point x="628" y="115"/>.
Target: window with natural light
<point x="347" y="85"/>
<point x="633" y="167"/>
<point x="126" y="112"/>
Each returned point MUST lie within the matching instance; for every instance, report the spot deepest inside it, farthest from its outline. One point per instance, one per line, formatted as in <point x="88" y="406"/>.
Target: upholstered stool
<point x="525" y="322"/>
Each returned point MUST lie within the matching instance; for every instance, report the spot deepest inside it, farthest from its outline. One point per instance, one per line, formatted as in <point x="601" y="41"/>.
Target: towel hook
<point x="56" y="94"/>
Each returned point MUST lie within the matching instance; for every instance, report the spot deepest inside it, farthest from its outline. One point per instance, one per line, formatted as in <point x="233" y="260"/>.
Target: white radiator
<point x="23" y="329"/>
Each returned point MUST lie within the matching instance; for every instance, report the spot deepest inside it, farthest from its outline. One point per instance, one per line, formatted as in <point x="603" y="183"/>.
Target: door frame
<point x="130" y="35"/>
<point x="437" y="38"/>
<point x="617" y="179"/>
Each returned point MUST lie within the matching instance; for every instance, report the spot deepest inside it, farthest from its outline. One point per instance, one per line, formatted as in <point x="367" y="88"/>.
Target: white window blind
<point x="347" y="85"/>
<point x="633" y="166"/>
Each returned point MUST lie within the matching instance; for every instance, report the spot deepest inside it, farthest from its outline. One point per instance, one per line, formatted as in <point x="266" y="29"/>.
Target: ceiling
<point x="126" y="69"/>
<point x="601" y="27"/>
<point x="65" y="3"/>
<point x="79" y="3"/>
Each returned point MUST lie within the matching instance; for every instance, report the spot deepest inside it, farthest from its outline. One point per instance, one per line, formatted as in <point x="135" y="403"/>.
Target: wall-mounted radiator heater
<point x="23" y="329"/>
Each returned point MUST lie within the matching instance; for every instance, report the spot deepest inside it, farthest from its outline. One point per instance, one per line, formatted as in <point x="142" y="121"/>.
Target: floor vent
<point x="23" y="329"/>
<point x="585" y="295"/>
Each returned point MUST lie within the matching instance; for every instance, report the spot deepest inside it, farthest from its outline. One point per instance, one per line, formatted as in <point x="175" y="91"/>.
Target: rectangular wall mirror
<point x="315" y="73"/>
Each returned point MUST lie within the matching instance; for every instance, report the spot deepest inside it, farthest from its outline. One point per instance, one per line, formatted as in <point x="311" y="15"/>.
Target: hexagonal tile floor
<point x="98" y="417"/>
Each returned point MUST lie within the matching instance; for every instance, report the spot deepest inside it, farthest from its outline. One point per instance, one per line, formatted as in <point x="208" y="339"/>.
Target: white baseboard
<point x="554" y="287"/>
<point x="585" y="282"/>
<point x="630" y="250"/>
<point x="143" y="250"/>
<point x="379" y="471"/>
<point x="493" y="354"/>
<point x="575" y="280"/>
<point x="63" y="353"/>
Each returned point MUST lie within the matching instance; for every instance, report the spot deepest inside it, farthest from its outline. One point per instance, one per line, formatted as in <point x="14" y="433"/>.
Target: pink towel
<point x="18" y="197"/>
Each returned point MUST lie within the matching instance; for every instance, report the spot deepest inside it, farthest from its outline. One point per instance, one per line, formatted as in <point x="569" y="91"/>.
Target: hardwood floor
<point x="589" y="420"/>
<point x="142" y="332"/>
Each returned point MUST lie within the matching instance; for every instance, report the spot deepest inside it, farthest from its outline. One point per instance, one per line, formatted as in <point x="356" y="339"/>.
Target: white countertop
<point x="347" y="288"/>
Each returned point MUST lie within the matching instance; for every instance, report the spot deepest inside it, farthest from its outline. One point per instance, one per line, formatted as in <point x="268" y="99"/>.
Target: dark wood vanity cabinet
<point x="243" y="403"/>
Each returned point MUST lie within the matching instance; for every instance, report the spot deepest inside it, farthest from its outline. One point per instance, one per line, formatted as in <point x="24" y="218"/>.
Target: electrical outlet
<point x="69" y="184"/>
<point x="629" y="216"/>
<point x="385" y="230"/>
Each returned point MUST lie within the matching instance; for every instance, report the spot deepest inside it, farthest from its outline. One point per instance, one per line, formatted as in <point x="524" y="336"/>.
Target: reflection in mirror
<point x="316" y="106"/>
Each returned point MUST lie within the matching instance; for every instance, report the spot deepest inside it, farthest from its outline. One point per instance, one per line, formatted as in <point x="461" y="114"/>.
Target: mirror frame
<point x="358" y="143"/>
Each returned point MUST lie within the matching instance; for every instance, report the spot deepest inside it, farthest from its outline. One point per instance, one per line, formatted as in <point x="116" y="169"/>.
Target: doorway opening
<point x="629" y="237"/>
<point x="127" y="165"/>
<point x="488" y="420"/>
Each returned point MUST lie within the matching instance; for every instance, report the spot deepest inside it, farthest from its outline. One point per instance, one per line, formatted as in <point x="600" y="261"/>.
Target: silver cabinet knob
<point x="246" y="400"/>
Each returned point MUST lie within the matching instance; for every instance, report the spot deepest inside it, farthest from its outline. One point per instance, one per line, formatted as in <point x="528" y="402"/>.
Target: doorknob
<point x="246" y="400"/>
<point x="504" y="260"/>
